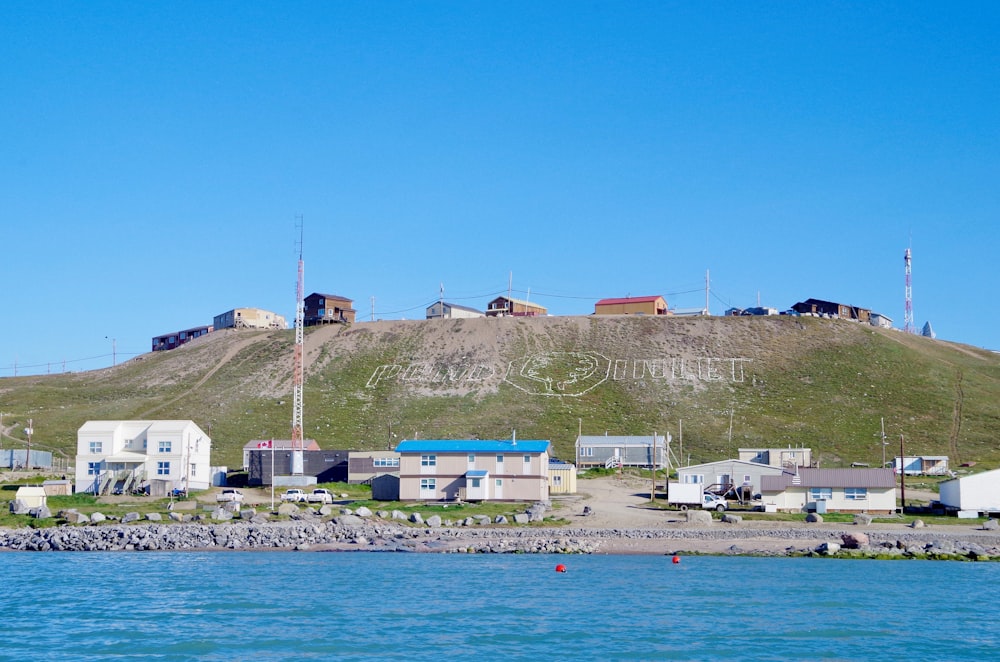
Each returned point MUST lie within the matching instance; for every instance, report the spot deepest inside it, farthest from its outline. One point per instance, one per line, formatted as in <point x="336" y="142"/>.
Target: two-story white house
<point x="122" y="456"/>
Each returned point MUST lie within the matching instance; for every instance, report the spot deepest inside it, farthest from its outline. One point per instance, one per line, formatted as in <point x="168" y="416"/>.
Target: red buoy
<point x="676" y="559"/>
<point x="560" y="568"/>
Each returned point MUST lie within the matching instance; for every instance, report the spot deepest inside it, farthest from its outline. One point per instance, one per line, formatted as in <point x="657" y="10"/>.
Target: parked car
<point x="229" y="495"/>
<point x="320" y="495"/>
<point x="294" y="495"/>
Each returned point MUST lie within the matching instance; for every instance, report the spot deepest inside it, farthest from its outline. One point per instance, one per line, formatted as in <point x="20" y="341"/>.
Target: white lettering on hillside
<point x="564" y="373"/>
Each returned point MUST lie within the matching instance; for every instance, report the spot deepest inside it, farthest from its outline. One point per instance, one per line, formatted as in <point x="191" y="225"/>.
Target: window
<point x="93" y="468"/>
<point x="386" y="462"/>
<point x="527" y="459"/>
<point x="164" y="446"/>
<point x="96" y="447"/>
<point x="162" y="468"/>
<point x="499" y="459"/>
<point x="586" y="452"/>
<point x="428" y="487"/>
<point x="856" y="493"/>
<point x="820" y="493"/>
<point x="697" y="479"/>
<point x="194" y="469"/>
<point x="472" y="458"/>
<point x="476" y="482"/>
<point x="746" y="479"/>
<point x="428" y="460"/>
<point x="499" y="482"/>
<point x="556" y="480"/>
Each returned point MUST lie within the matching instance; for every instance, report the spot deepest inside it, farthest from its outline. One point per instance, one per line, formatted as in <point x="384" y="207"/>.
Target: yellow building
<point x="653" y="305"/>
<point x="562" y="477"/>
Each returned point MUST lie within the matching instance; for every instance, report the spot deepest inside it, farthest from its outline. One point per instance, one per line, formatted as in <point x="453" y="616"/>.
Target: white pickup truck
<point x="691" y="495"/>
<point x="229" y="495"/>
<point x="320" y="495"/>
<point x="294" y="495"/>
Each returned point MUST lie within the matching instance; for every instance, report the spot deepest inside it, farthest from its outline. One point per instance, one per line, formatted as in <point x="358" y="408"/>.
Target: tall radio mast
<point x="908" y="326"/>
<point x="297" y="370"/>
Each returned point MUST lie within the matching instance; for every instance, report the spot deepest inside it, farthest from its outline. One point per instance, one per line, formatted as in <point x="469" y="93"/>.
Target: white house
<point x="831" y="490"/>
<point x="979" y="492"/>
<point x="786" y="458"/>
<point x="114" y="456"/>
<point x="740" y="477"/>
<point x="881" y="321"/>
<point x="443" y="309"/>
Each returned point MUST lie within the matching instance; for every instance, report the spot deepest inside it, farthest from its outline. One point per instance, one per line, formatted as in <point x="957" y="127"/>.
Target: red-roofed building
<point x="654" y="305"/>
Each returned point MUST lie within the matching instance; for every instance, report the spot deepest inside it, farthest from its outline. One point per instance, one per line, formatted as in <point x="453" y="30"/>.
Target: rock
<point x="97" y="517"/>
<point x="698" y="516"/>
<point x="128" y="518"/>
<point x="154" y="517"/>
<point x="855" y="540"/>
<point x="468" y="521"/>
<point x="814" y="518"/>
<point x="346" y="511"/>
<point x="382" y="514"/>
<point x="41" y="512"/>
<point x="729" y="518"/>
<point x="587" y="511"/>
<point x="500" y="519"/>
<point x="18" y="507"/>
<point x="348" y="520"/>
<point x="862" y="519"/>
<point x="828" y="548"/>
<point x="521" y="518"/>
<point x="917" y="524"/>
<point x="482" y="520"/>
<point x="361" y="511"/>
<point x="326" y="510"/>
<point x="991" y="525"/>
<point x="221" y="515"/>
<point x="247" y="513"/>
<point x="175" y="516"/>
<point x="361" y="540"/>
<point x="287" y="509"/>
<point x="344" y="495"/>
<point x="398" y="514"/>
<point x="416" y="518"/>
<point x="434" y="521"/>
<point x="74" y="517"/>
<point x="260" y="518"/>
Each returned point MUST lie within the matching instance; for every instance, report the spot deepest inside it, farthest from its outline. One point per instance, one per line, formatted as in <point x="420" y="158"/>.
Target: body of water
<point x="297" y="606"/>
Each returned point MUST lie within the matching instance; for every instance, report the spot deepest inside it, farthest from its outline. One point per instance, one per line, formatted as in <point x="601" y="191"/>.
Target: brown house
<point x="502" y="306"/>
<point x="652" y="305"/>
<point x="841" y="310"/>
<point x="328" y="309"/>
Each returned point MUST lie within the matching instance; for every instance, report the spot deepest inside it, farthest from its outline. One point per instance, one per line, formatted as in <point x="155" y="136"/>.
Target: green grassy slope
<point x="824" y="384"/>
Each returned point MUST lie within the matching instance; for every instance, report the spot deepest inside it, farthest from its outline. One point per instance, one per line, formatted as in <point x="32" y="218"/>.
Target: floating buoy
<point x="560" y="568"/>
<point x="676" y="559"/>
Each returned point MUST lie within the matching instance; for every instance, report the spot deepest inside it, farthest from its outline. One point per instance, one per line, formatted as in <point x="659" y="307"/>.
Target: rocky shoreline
<point x="354" y="533"/>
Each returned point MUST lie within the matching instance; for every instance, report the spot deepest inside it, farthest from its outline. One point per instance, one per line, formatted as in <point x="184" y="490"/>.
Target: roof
<point x="519" y="301"/>
<point x="477" y="473"/>
<point x="730" y="463"/>
<point x="608" y="440"/>
<point x="331" y="296"/>
<point x="278" y="444"/>
<point x="455" y="305"/>
<point x="472" y="446"/>
<point x="136" y="427"/>
<point x="806" y="478"/>
<point x="611" y="302"/>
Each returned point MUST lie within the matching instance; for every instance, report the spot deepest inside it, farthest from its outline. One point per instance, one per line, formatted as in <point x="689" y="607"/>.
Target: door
<point x="498" y="489"/>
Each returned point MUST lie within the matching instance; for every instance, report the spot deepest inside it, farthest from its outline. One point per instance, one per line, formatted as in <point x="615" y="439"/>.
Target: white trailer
<point x="691" y="495"/>
<point x="978" y="494"/>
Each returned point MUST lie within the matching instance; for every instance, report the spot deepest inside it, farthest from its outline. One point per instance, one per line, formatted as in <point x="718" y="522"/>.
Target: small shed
<point x="32" y="496"/>
<point x="58" y="487"/>
<point x="562" y="477"/>
<point x="385" y="487"/>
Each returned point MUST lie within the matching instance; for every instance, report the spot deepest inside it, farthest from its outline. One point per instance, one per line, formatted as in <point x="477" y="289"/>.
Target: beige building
<point x="473" y="470"/>
<point x="651" y="305"/>
<point x="249" y="318"/>
<point x="785" y="458"/>
<point x="831" y="490"/>
<point x="562" y="477"/>
<point x="504" y="306"/>
<point x="363" y="466"/>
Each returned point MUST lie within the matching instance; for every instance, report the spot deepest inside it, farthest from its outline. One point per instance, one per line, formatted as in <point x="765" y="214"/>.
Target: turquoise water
<point x="300" y="606"/>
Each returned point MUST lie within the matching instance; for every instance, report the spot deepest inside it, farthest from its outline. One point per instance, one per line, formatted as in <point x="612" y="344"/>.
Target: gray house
<point x="737" y="478"/>
<point x="608" y="451"/>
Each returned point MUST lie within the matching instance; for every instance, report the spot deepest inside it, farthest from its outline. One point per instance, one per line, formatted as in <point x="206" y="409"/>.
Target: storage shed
<point x="32" y="496"/>
<point x="979" y="493"/>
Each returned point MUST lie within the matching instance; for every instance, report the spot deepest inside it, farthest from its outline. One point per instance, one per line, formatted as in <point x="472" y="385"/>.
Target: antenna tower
<point x="908" y="314"/>
<point x="297" y="370"/>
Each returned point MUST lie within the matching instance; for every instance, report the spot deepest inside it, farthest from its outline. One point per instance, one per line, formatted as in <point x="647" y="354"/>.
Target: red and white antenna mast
<point x="908" y="326"/>
<point x="297" y="369"/>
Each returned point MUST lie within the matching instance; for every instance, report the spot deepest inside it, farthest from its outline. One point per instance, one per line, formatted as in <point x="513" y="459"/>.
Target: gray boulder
<point x="326" y="510"/>
<point x="500" y="519"/>
<point x="221" y="515"/>
<point x="416" y="518"/>
<point x="468" y="521"/>
<point x="482" y="520"/>
<point x="128" y="518"/>
<point x="287" y="509"/>
<point x="346" y="511"/>
<point x="917" y="524"/>
<point x="361" y="511"/>
<point x="97" y="518"/>
<point x="814" y="518"/>
<point x="154" y="517"/>
<point x="434" y="521"/>
<point x="729" y="518"/>
<point x="698" y="516"/>
<point x="862" y="519"/>
<point x="247" y="513"/>
<point x="399" y="514"/>
<point x="828" y="548"/>
<point x="18" y="507"/>
<point x="348" y="520"/>
<point x="175" y="516"/>
<point x="521" y="518"/>
<point x="855" y="540"/>
<point x="41" y="512"/>
<point x="991" y="525"/>
<point x="74" y="517"/>
<point x="382" y="514"/>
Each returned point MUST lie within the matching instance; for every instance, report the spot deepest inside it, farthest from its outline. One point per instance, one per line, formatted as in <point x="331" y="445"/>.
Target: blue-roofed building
<point x="473" y="470"/>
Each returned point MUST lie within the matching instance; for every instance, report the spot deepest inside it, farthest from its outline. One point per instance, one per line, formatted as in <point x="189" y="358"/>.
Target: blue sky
<point x="154" y="158"/>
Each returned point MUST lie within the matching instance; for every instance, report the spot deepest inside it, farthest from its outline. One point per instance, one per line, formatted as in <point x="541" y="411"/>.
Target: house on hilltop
<point x="646" y="305"/>
<point x="249" y="318"/>
<point x="506" y="306"/>
<point x="445" y="310"/>
<point x="171" y="340"/>
<point x="328" y="309"/>
<point x="832" y="309"/>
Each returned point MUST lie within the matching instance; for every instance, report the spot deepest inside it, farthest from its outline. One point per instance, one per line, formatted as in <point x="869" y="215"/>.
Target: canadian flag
<point x="265" y="444"/>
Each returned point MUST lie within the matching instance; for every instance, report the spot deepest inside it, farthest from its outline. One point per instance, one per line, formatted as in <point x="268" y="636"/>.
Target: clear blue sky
<point x="154" y="158"/>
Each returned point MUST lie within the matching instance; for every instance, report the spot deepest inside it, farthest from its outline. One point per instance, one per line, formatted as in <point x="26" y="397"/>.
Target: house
<point x="320" y="466"/>
<point x="785" y="458"/>
<point x="445" y="310"/>
<point x="822" y="308"/>
<point x="881" y="321"/>
<point x="738" y="478"/>
<point x="504" y="306"/>
<point x="32" y="496"/>
<point x="363" y="466"/>
<point x="973" y="494"/>
<point x="612" y="451"/>
<point x="178" y="338"/>
<point x="278" y="445"/>
<point x="249" y="318"/>
<point x="473" y="470"/>
<point x="124" y="456"/>
<point x="688" y="312"/>
<point x="562" y="477"/>
<point x="328" y="309"/>
<point x="649" y="305"/>
<point x="921" y="465"/>
<point x="831" y="490"/>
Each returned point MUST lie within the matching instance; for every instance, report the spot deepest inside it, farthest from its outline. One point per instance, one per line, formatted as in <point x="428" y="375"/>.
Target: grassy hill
<point x="819" y="383"/>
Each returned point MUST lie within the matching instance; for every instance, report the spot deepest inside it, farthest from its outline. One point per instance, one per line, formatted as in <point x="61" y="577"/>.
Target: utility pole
<point x="28" y="430"/>
<point x="884" y="442"/>
<point x="902" y="477"/>
<point x="114" y="350"/>
<point x="652" y="460"/>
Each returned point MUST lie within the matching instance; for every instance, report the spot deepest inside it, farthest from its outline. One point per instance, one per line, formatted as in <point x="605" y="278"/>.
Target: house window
<point x="162" y="468"/>
<point x="428" y="460"/>
<point x="746" y="479"/>
<point x="96" y="447"/>
<point x="386" y="462"/>
<point x="527" y="459"/>
<point x="694" y="479"/>
<point x="499" y="482"/>
<point x="475" y="482"/>
<point x="557" y="480"/>
<point x="428" y="487"/>
<point x="472" y="458"/>
<point x="499" y="460"/>
<point x="93" y="468"/>
<point x="194" y="469"/>
<point x="856" y="493"/>
<point x="586" y="452"/>
<point x="820" y="493"/>
<point x="164" y="446"/>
